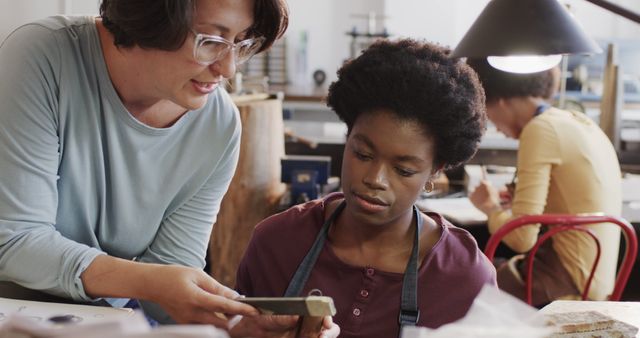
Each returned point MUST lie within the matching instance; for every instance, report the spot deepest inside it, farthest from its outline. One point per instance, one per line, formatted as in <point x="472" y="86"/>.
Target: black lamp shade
<point x="524" y="27"/>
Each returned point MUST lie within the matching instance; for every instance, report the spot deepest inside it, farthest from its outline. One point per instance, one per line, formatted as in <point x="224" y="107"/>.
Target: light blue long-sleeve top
<point x="80" y="177"/>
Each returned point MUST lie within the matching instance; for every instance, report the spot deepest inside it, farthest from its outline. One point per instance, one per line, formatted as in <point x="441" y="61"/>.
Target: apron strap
<point x="409" y="312"/>
<point x="541" y="108"/>
<point x="304" y="269"/>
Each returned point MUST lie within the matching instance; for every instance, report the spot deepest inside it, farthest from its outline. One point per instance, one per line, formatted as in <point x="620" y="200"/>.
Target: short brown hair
<point x="498" y="84"/>
<point x="165" y="24"/>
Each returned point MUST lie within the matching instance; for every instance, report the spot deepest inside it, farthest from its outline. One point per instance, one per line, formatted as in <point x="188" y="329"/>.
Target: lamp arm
<point x="635" y="17"/>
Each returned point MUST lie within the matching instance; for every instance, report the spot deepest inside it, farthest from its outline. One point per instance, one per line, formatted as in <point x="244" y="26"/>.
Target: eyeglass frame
<point x="200" y="37"/>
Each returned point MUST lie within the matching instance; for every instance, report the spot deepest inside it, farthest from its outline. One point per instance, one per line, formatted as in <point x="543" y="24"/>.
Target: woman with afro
<point x="411" y="111"/>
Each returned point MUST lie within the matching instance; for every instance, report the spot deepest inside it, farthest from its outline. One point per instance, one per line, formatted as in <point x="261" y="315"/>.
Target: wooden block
<point x="588" y="324"/>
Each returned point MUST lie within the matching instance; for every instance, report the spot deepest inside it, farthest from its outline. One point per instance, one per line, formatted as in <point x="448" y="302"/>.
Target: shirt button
<point x="364" y="293"/>
<point x="370" y="272"/>
<point x="356" y="312"/>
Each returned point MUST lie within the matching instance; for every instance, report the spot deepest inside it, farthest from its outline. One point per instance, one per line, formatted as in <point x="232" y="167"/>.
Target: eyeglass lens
<point x="211" y="50"/>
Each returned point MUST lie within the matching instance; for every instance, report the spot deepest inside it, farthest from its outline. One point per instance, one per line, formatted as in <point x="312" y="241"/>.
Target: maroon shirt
<point x="367" y="300"/>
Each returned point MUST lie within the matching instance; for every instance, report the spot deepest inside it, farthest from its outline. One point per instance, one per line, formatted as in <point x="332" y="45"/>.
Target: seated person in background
<point x="566" y="165"/>
<point x="410" y="111"/>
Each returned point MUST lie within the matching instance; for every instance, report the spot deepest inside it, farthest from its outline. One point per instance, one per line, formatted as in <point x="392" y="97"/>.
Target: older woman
<point x="117" y="146"/>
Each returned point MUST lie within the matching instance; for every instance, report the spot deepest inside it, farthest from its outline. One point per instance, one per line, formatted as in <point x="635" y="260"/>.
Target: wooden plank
<point x="254" y="192"/>
<point x="611" y="103"/>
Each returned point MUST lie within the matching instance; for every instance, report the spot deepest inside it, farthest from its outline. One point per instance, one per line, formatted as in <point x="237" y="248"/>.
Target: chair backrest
<point x="571" y="223"/>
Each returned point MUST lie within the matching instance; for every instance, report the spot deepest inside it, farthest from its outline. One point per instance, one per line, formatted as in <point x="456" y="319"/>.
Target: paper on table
<point x="498" y="176"/>
<point x="494" y="313"/>
<point x="457" y="210"/>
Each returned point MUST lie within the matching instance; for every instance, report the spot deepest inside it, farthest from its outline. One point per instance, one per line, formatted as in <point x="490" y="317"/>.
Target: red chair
<point x="571" y="223"/>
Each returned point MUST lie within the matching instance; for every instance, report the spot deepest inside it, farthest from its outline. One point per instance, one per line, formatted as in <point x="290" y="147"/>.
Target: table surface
<point x="461" y="212"/>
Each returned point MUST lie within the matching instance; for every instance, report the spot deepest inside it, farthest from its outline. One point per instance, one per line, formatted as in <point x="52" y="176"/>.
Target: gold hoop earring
<point x="429" y="186"/>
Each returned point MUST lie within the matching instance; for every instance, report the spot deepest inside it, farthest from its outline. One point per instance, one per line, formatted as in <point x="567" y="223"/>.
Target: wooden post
<point x="612" y="98"/>
<point x="255" y="190"/>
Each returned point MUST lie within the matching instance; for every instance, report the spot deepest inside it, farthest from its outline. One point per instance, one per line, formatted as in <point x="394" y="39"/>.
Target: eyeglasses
<point x="208" y="49"/>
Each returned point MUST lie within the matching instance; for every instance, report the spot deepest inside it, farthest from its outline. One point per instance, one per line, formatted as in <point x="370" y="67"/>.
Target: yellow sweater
<point x="567" y="165"/>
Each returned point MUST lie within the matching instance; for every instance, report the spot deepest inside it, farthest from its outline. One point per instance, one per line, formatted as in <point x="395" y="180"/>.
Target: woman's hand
<point x="284" y="327"/>
<point x="506" y="197"/>
<point x="328" y="329"/>
<point x="485" y="197"/>
<point x="186" y="294"/>
<point x="263" y="326"/>
<point x="189" y="295"/>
